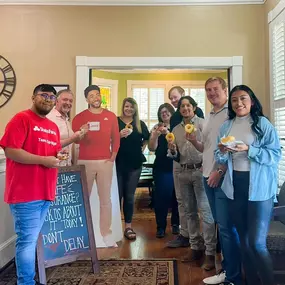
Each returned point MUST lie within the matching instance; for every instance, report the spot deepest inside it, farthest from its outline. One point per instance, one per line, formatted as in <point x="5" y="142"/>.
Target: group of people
<point x="229" y="189"/>
<point x="232" y="185"/>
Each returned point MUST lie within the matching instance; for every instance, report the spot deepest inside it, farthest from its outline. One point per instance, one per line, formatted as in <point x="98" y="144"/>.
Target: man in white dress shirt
<point x="60" y="115"/>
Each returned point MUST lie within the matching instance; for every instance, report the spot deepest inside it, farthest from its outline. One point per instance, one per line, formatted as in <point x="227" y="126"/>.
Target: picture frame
<point x="59" y="87"/>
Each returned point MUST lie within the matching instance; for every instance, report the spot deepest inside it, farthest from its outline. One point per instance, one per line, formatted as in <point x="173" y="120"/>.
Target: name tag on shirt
<point x="94" y="126"/>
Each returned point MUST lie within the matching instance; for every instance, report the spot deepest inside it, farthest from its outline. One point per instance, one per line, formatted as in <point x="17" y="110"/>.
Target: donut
<point x="62" y="156"/>
<point x="129" y="126"/>
<point x="170" y="137"/>
<point x="189" y="128"/>
<point x="227" y="140"/>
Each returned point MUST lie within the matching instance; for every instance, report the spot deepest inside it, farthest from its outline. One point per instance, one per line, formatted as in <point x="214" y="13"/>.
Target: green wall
<point x="123" y="77"/>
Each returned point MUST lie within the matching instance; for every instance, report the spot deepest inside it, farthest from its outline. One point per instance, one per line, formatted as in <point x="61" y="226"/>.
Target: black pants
<point x="127" y="183"/>
<point x="164" y="198"/>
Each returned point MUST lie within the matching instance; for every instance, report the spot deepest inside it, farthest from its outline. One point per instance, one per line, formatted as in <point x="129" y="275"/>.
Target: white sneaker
<point x="216" y="279"/>
<point x="109" y="241"/>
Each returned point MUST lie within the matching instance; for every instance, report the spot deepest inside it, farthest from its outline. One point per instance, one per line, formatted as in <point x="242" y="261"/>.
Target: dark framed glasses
<point x="48" y="97"/>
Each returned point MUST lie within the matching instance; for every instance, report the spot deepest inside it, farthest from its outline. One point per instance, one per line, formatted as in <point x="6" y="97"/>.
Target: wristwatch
<point x="220" y="171"/>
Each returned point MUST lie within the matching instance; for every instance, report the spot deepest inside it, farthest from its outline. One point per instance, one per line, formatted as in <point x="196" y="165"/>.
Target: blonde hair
<point x="220" y="79"/>
<point x="180" y="90"/>
<point x="136" y="117"/>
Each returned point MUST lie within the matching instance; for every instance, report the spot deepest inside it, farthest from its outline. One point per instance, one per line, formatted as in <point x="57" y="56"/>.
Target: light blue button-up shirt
<point x="263" y="154"/>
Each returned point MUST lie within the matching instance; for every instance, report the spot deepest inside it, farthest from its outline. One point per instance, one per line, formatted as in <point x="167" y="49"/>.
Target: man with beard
<point x="60" y="115"/>
<point x="98" y="151"/>
<point x="31" y="143"/>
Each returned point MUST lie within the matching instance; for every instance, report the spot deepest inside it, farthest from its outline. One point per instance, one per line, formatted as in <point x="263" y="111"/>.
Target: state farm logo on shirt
<point x="47" y="131"/>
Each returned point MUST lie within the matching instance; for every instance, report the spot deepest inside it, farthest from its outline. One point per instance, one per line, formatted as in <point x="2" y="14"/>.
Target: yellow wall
<point x="124" y="77"/>
<point x="41" y="42"/>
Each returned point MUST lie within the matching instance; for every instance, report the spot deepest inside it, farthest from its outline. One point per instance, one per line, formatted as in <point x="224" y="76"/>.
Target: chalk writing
<point x="65" y="227"/>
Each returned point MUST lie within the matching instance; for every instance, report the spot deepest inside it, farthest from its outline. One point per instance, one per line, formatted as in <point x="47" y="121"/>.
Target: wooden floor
<point x="148" y="246"/>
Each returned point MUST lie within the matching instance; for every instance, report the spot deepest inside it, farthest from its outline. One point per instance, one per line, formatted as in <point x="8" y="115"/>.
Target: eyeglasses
<point x="48" y="97"/>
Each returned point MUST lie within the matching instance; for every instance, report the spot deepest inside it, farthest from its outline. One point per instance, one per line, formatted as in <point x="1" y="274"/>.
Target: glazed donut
<point x="228" y="140"/>
<point x="189" y="128"/>
<point x="170" y="137"/>
<point x="129" y="126"/>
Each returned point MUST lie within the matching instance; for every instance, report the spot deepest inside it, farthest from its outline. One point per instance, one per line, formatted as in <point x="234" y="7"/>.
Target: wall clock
<point x="7" y="81"/>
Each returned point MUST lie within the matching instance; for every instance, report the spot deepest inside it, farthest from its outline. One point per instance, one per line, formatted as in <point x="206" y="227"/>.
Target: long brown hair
<point x="136" y="117"/>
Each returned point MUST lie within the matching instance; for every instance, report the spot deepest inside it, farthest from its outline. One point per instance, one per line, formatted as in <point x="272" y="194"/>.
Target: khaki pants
<point x="181" y="210"/>
<point x="102" y="172"/>
<point x="194" y="200"/>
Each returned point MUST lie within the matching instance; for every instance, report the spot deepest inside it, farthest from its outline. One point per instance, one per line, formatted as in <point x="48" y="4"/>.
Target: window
<point x="279" y="117"/>
<point x="106" y="96"/>
<point x="199" y="95"/>
<point x="277" y="61"/>
<point x="151" y="94"/>
<point x="149" y="100"/>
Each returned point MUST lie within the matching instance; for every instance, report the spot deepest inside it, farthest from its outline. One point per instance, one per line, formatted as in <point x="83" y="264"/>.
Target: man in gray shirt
<point x="216" y="90"/>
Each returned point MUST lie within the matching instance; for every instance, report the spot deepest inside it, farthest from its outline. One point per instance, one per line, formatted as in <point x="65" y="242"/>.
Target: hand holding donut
<point x="172" y="147"/>
<point x="124" y="133"/>
<point x="170" y="138"/>
<point x="191" y="137"/>
<point x="190" y="128"/>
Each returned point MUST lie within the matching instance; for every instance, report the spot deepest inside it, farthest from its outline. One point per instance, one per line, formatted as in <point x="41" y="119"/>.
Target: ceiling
<point x="129" y="2"/>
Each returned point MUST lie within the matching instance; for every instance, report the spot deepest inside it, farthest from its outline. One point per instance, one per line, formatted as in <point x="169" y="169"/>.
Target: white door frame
<point x="85" y="63"/>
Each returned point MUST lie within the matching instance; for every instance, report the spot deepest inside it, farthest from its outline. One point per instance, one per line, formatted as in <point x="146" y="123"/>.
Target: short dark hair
<point x="168" y="107"/>
<point x="90" y="88"/>
<point x="44" y="88"/>
<point x="190" y="99"/>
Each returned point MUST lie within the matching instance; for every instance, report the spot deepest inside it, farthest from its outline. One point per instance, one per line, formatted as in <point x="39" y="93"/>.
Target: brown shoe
<point x="192" y="255"/>
<point x="209" y="262"/>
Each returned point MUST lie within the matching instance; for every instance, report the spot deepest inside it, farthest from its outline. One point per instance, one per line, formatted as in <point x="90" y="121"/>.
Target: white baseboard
<point x="7" y="251"/>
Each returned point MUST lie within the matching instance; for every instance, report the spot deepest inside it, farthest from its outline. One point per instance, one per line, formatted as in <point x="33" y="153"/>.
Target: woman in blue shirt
<point x="250" y="182"/>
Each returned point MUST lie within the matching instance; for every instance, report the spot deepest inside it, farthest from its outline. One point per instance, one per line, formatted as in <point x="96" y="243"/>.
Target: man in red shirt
<point x="97" y="151"/>
<point x="31" y="143"/>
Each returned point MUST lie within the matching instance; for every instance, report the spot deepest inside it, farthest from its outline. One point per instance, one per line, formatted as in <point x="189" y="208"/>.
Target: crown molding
<point x="129" y="2"/>
<point x="162" y="71"/>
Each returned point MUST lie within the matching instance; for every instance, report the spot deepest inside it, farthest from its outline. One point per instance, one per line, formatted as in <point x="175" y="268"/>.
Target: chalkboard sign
<point x="67" y="233"/>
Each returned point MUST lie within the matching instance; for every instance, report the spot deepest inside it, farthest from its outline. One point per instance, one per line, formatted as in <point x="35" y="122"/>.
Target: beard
<point x="95" y="105"/>
<point x="65" y="109"/>
<point x="42" y="111"/>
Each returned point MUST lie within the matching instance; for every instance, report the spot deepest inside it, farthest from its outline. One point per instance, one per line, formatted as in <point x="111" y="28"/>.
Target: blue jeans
<point x="227" y="233"/>
<point x="164" y="198"/>
<point x="252" y="223"/>
<point x="28" y="220"/>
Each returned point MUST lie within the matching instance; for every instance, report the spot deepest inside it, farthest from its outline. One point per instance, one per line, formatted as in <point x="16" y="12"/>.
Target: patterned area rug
<point x="112" y="272"/>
